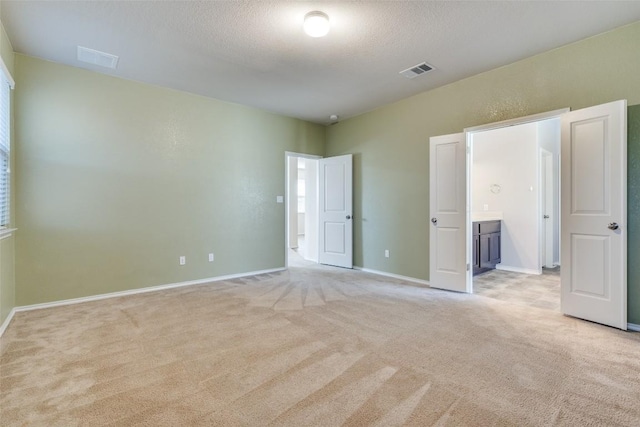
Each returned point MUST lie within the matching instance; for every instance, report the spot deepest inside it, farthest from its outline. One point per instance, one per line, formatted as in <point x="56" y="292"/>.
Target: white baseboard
<point x="395" y="276"/>
<point x="142" y="290"/>
<point x="516" y="269"/>
<point x="6" y="322"/>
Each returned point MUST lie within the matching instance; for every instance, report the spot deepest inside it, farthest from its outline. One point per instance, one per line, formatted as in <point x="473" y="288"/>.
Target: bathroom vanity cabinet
<point x="486" y="245"/>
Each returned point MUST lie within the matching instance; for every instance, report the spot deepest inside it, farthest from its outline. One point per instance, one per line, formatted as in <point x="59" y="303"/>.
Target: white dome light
<point x="316" y="24"/>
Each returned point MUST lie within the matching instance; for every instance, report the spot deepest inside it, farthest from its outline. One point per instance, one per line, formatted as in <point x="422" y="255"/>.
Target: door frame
<point x="287" y="155"/>
<point x="546" y="162"/>
<point x="555" y="114"/>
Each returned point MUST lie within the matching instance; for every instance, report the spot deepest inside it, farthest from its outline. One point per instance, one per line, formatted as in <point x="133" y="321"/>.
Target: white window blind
<point x="5" y="126"/>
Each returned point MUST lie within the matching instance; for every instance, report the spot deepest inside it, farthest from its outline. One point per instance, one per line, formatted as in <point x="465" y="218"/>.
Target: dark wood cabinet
<point x="486" y="245"/>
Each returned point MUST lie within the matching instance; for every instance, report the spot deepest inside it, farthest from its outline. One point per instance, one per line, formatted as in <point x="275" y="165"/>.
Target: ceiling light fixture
<point x="316" y="24"/>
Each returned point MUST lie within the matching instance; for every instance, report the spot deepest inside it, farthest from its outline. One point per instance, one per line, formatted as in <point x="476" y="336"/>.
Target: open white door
<point x="336" y="211"/>
<point x="594" y="214"/>
<point x="448" y="212"/>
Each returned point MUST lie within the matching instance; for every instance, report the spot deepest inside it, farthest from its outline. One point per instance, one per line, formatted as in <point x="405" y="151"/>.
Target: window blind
<point x="5" y="127"/>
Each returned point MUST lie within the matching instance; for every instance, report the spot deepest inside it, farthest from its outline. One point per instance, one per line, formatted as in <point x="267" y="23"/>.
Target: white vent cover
<point x="96" y="57"/>
<point x="416" y="70"/>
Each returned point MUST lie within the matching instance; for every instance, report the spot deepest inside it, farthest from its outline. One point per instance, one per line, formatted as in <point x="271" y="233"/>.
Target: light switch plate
<point x="279" y="199"/>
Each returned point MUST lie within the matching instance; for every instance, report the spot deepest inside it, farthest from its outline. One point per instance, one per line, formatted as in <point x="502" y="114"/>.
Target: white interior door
<point x="594" y="207"/>
<point x="448" y="213"/>
<point x="335" y="178"/>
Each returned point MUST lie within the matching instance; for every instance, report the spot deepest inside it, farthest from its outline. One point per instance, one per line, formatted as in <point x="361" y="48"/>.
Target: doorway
<point x="301" y="230"/>
<point x="514" y="204"/>
<point x="593" y="211"/>
<point x="319" y="209"/>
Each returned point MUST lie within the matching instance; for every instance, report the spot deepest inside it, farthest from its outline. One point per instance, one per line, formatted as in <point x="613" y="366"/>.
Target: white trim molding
<point x="517" y="269"/>
<point x="519" y="120"/>
<point x="394" y="276"/>
<point x="3" y="66"/>
<point x="6" y="232"/>
<point x="130" y="292"/>
<point x="633" y="327"/>
<point x="6" y="322"/>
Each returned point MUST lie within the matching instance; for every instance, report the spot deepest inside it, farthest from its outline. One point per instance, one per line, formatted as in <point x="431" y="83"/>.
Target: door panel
<point x="335" y="178"/>
<point x="494" y="249"/>
<point x="447" y="256"/>
<point x="485" y="251"/>
<point x="592" y="280"/>
<point x="448" y="232"/>
<point x="594" y="177"/>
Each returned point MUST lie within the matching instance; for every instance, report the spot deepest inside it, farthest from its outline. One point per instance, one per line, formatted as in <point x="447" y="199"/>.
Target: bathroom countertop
<point x="486" y="216"/>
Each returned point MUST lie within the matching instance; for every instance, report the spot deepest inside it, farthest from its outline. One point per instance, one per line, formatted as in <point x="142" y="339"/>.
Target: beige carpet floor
<point x="314" y="346"/>
<point x="535" y="290"/>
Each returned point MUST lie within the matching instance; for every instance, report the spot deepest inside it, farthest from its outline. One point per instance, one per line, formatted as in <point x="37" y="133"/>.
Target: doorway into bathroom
<point x="514" y="197"/>
<point x="593" y="208"/>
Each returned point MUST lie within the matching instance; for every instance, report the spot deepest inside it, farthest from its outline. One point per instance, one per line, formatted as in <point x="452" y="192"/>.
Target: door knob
<point x="434" y="220"/>
<point x="348" y="216"/>
<point x="613" y="226"/>
<point x="546" y="217"/>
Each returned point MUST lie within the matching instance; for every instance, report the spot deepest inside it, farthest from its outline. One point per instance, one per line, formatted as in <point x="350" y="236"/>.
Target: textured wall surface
<point x="7" y="245"/>
<point x="633" y="214"/>
<point x="117" y="179"/>
<point x="391" y="144"/>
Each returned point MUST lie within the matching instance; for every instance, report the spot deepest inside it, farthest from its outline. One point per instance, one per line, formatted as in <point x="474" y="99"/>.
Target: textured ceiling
<point x="255" y="53"/>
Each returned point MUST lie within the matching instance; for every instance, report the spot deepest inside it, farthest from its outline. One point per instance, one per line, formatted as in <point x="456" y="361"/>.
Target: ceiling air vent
<point x="416" y="70"/>
<point x="96" y="57"/>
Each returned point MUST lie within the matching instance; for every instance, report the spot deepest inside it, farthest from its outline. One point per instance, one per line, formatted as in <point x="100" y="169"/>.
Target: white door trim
<point x="546" y="159"/>
<point x="518" y="121"/>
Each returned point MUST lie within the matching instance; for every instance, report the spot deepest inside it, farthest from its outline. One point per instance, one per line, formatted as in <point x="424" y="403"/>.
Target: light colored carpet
<point x="314" y="346"/>
<point x="535" y="290"/>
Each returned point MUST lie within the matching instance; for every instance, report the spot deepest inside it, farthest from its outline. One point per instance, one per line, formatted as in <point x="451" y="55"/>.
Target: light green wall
<point x="390" y="144"/>
<point x="7" y="245"/>
<point x="117" y="179"/>
<point x="633" y="213"/>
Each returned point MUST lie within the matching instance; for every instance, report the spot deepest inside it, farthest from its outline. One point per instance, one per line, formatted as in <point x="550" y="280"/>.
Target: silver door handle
<point x="348" y="216"/>
<point x="434" y="220"/>
<point x="613" y="226"/>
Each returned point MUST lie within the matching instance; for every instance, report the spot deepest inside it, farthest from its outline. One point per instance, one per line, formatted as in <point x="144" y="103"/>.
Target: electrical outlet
<point x="386" y="253"/>
<point x="486" y="207"/>
<point x="211" y="258"/>
<point x="183" y="260"/>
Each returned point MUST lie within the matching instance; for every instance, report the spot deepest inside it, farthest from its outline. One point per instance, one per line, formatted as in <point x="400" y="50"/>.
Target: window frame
<point x="6" y="85"/>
